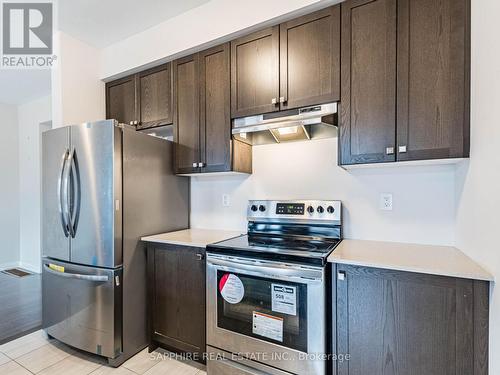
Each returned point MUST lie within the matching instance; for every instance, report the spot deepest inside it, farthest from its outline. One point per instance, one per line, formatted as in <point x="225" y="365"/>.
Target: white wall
<point x="431" y="204"/>
<point x="77" y="92"/>
<point x="9" y="187"/>
<point x="423" y="196"/>
<point x="478" y="182"/>
<point x="30" y="115"/>
<point x="208" y="24"/>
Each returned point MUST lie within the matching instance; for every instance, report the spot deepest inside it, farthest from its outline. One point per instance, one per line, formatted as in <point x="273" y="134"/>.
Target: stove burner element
<point x="304" y="231"/>
<point x="283" y="244"/>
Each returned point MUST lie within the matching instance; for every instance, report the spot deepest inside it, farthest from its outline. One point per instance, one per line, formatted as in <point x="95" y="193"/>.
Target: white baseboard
<point x="30" y="267"/>
<point x="7" y="265"/>
<point x="23" y="265"/>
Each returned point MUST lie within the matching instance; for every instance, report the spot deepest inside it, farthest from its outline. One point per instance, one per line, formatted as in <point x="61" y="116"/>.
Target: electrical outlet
<point x="386" y="201"/>
<point x="226" y="202"/>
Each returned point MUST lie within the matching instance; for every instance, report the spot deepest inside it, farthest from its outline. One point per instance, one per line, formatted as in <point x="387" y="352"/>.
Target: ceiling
<point x="101" y="23"/>
<point x="98" y="23"/>
<point x="20" y="86"/>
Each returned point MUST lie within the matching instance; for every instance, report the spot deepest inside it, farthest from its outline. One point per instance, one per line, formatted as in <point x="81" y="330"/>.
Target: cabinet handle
<point x="195" y="165"/>
<point x="389" y="150"/>
<point x="341" y="275"/>
<point x="282" y="99"/>
<point x="199" y="256"/>
<point x="402" y="149"/>
<point x="274" y="101"/>
<point x="201" y="165"/>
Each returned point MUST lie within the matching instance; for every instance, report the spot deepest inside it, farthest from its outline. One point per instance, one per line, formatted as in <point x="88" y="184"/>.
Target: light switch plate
<point x="386" y="201"/>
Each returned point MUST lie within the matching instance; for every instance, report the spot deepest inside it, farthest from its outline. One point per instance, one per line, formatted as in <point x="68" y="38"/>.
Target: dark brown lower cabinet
<point x="403" y="323"/>
<point x="176" y="295"/>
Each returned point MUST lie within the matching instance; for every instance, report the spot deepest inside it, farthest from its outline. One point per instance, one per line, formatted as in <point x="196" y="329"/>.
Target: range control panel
<point x="290" y="208"/>
<point x="299" y="210"/>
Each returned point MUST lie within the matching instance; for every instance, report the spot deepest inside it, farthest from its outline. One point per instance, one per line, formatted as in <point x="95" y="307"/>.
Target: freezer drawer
<point x="82" y="306"/>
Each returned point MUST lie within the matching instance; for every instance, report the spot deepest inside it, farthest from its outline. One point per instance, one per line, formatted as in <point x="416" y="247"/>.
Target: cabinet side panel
<point x="154" y="201"/>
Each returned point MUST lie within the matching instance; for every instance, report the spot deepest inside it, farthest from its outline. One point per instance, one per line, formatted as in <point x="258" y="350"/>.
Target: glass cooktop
<point x="278" y="248"/>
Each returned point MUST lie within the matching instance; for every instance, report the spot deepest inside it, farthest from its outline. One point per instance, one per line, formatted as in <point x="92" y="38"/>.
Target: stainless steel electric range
<point x="266" y="290"/>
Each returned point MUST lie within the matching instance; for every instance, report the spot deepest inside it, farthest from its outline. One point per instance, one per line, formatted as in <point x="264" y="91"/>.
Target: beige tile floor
<point x="36" y="354"/>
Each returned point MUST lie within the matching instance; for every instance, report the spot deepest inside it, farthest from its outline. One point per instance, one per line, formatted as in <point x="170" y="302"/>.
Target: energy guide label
<point x="284" y="299"/>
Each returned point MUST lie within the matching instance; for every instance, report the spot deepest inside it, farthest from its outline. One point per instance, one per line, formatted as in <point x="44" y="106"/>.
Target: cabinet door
<point x="310" y="59"/>
<point x="121" y="100"/>
<point x="154" y="89"/>
<point x="368" y="65"/>
<point x="178" y="311"/>
<point x="403" y="323"/>
<point x="255" y="73"/>
<point x="215" y="118"/>
<point x="186" y="114"/>
<point x="433" y="79"/>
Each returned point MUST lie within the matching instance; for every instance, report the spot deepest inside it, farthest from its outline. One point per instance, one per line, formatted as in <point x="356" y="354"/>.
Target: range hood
<point x="299" y="124"/>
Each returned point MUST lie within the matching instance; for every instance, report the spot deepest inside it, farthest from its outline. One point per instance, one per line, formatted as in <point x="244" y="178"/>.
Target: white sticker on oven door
<point x="268" y="326"/>
<point x="284" y="299"/>
<point x="231" y="288"/>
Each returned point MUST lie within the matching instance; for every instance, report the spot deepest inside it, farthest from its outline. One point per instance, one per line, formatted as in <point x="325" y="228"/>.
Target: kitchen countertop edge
<point x="194" y="237"/>
<point x="362" y="253"/>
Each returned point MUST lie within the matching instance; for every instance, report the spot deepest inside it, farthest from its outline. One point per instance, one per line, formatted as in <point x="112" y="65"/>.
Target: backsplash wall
<point x="423" y="196"/>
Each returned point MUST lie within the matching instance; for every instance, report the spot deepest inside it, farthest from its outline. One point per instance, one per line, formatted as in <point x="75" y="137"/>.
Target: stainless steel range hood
<point x="299" y="124"/>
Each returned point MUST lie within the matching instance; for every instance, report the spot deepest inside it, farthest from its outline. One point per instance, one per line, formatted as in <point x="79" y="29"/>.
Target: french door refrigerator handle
<point x="66" y="192"/>
<point x="76" y="188"/>
<point x="96" y="278"/>
<point x="62" y="194"/>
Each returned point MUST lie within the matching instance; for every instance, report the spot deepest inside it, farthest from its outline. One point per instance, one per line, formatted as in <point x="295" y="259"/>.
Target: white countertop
<point x="192" y="237"/>
<point x="435" y="260"/>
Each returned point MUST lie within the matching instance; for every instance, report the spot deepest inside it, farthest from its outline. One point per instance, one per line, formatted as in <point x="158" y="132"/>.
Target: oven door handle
<point x="279" y="271"/>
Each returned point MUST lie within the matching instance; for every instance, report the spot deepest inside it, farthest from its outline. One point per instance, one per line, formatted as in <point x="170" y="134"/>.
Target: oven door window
<point x="267" y="309"/>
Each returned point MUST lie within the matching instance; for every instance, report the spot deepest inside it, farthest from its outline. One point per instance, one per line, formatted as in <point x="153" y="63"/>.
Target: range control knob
<point x="320" y="209"/>
<point x="254" y="208"/>
<point x="330" y="209"/>
<point x="310" y="209"/>
<point x="262" y="208"/>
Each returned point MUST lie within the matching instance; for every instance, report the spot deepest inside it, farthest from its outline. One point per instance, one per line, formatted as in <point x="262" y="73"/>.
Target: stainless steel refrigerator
<point x="104" y="187"/>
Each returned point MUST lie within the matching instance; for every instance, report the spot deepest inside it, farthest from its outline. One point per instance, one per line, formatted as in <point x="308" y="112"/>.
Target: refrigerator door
<point x="55" y="209"/>
<point x="82" y="306"/>
<point x="96" y="181"/>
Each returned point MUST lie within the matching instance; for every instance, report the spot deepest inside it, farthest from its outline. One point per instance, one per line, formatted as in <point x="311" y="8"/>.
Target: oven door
<point x="269" y="312"/>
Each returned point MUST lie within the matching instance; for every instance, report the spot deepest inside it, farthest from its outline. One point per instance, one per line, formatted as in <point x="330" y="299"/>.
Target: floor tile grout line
<point x="31" y="372"/>
<point x="32" y="350"/>
<point x="62" y="359"/>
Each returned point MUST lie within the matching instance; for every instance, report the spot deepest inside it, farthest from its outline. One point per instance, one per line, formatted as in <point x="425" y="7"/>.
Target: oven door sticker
<point x="267" y="326"/>
<point x="284" y="299"/>
<point x="231" y="288"/>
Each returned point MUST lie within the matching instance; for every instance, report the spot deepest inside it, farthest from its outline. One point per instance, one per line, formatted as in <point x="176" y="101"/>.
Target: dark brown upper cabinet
<point x="187" y="114"/>
<point x="154" y="90"/>
<point x="405" y="80"/>
<point x="255" y="73"/>
<point x="433" y="79"/>
<point x="121" y="100"/>
<point x="310" y="59"/>
<point x="367" y="107"/>
<point x="143" y="100"/>
<point x="202" y="117"/>
<point x="291" y="65"/>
